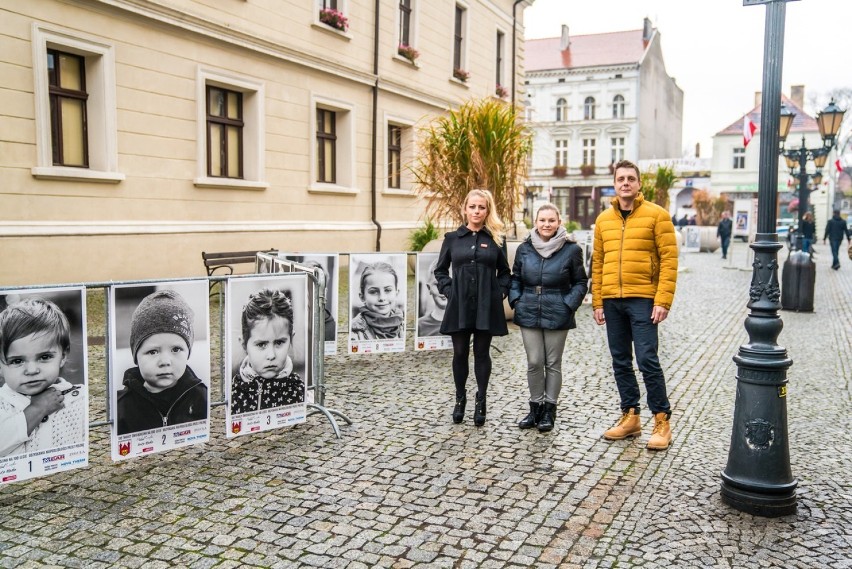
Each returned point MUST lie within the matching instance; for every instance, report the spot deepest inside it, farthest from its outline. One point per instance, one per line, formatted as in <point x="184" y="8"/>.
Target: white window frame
<point x="254" y="130"/>
<point x="503" y="71"/>
<point x="617" y="148"/>
<point x="618" y="106"/>
<point x="589" y="110"/>
<point x="561" y="146"/>
<point x="412" y="29"/>
<point x="343" y="7"/>
<point x="463" y="55"/>
<point x="100" y="106"/>
<point x="344" y="151"/>
<point x="407" y="141"/>
<point x="562" y="109"/>
<point x="589" y="150"/>
<point x="739" y="156"/>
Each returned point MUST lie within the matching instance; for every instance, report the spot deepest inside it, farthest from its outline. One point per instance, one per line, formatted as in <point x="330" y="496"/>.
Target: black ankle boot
<point x="548" y="418"/>
<point x="479" y="410"/>
<point x="458" y="410"/>
<point x="532" y="419"/>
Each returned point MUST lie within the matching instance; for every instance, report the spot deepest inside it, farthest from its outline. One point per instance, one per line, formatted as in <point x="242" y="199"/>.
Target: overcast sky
<point x="714" y="49"/>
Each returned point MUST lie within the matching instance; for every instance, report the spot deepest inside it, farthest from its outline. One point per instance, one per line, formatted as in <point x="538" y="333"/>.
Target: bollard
<point x="798" y="279"/>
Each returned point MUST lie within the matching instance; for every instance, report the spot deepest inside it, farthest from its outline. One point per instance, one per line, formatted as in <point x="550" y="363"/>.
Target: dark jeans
<point x="835" y="251"/>
<point x="628" y="324"/>
<point x="726" y="242"/>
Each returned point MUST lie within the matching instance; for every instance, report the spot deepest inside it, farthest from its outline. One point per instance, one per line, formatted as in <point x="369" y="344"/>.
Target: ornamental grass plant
<point x="482" y="144"/>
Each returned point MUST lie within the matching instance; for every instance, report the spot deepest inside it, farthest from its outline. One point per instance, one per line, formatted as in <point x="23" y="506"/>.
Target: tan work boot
<point x="661" y="438"/>
<point x="628" y="426"/>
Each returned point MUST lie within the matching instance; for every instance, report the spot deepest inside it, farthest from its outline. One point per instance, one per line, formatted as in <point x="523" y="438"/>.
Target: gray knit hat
<point x="159" y="312"/>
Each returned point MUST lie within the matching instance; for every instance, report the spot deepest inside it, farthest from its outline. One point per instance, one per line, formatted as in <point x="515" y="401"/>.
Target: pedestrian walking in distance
<point x="634" y="272"/>
<point x="835" y="229"/>
<point x="723" y="232"/>
<point x="475" y="293"/>
<point x="548" y="286"/>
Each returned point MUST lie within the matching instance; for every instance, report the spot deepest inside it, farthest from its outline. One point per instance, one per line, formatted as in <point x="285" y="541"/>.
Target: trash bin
<point x="798" y="278"/>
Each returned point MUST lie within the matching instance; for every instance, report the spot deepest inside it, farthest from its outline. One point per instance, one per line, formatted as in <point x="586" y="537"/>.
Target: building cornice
<point x="119" y="228"/>
<point x="581" y="70"/>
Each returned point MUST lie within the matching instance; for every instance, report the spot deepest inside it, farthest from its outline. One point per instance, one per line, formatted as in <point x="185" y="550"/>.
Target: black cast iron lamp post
<point x="828" y="121"/>
<point x="757" y="478"/>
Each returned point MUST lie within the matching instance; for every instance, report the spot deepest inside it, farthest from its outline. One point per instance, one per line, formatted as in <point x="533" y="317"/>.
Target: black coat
<point x="835" y="229"/>
<point x="724" y="228"/>
<point x="546" y="293"/>
<point x="138" y="409"/>
<point x="479" y="281"/>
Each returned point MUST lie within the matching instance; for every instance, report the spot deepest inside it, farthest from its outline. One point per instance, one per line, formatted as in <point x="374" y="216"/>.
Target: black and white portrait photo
<point x="160" y="366"/>
<point x="377" y="297"/>
<point x="430" y="306"/>
<point x="266" y="352"/>
<point x="43" y="366"/>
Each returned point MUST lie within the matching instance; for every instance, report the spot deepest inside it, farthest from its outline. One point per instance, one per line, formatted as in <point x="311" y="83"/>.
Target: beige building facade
<point x="137" y="134"/>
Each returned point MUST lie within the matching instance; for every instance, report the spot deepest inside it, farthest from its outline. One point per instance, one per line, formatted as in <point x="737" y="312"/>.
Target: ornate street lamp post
<point x="757" y="478"/>
<point x="828" y="120"/>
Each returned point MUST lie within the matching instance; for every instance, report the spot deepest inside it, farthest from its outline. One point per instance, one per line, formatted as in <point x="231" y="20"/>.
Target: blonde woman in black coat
<point x="475" y="292"/>
<point x="548" y="286"/>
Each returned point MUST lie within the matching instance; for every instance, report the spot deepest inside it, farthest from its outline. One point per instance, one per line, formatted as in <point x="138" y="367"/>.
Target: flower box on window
<point x="408" y="52"/>
<point x="501" y="91"/>
<point x="560" y="171"/>
<point x="587" y="169"/>
<point x="334" y="18"/>
<point x="461" y="74"/>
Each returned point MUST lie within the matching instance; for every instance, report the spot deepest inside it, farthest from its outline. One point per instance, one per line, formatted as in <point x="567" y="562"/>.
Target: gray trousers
<point x="544" y="362"/>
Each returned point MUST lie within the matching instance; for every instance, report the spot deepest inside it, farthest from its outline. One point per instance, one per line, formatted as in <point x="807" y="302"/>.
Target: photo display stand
<point x="316" y="298"/>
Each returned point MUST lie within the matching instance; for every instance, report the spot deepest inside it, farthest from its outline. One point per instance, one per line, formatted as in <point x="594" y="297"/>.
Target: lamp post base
<point x="759" y="500"/>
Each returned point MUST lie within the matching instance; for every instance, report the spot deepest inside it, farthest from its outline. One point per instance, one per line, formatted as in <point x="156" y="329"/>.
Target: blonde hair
<point x="492" y="221"/>
<point x="548" y="206"/>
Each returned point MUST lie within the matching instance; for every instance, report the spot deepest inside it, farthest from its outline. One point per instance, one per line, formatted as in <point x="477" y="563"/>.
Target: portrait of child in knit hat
<point x="43" y="398"/>
<point x="268" y="337"/>
<point x="158" y="331"/>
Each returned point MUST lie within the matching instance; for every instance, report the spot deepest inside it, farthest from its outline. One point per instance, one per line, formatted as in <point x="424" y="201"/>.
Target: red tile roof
<point x="802" y="122"/>
<point x="614" y="48"/>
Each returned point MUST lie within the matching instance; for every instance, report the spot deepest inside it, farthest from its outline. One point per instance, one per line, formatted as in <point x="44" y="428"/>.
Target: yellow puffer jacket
<point x="636" y="257"/>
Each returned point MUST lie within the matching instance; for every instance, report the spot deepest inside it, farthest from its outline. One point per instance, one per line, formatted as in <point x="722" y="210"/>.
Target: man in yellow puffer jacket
<point x="634" y="271"/>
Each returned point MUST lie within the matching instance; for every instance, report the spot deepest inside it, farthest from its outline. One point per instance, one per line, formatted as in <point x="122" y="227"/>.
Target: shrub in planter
<point x="482" y="144"/>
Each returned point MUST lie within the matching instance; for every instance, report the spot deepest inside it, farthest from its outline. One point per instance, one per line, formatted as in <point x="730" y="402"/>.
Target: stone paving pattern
<point x="405" y="487"/>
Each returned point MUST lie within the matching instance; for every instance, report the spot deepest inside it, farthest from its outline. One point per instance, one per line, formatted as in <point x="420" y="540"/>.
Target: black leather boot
<point x="458" y="410"/>
<point x="479" y="410"/>
<point x="548" y="417"/>
<point x="532" y="419"/>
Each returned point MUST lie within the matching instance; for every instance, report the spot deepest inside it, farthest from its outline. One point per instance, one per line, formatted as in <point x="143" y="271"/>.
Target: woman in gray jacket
<point x="548" y="286"/>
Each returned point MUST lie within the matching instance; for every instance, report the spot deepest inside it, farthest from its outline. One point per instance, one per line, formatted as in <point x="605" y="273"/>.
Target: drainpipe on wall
<point x="373" y="164"/>
<point x="514" y="40"/>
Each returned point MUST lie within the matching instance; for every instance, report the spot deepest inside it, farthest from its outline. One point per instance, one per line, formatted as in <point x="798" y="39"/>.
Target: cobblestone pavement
<point x="407" y="488"/>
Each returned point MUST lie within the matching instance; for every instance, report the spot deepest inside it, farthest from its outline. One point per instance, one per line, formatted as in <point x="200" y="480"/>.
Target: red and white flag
<point x="839" y="165"/>
<point x="748" y="130"/>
